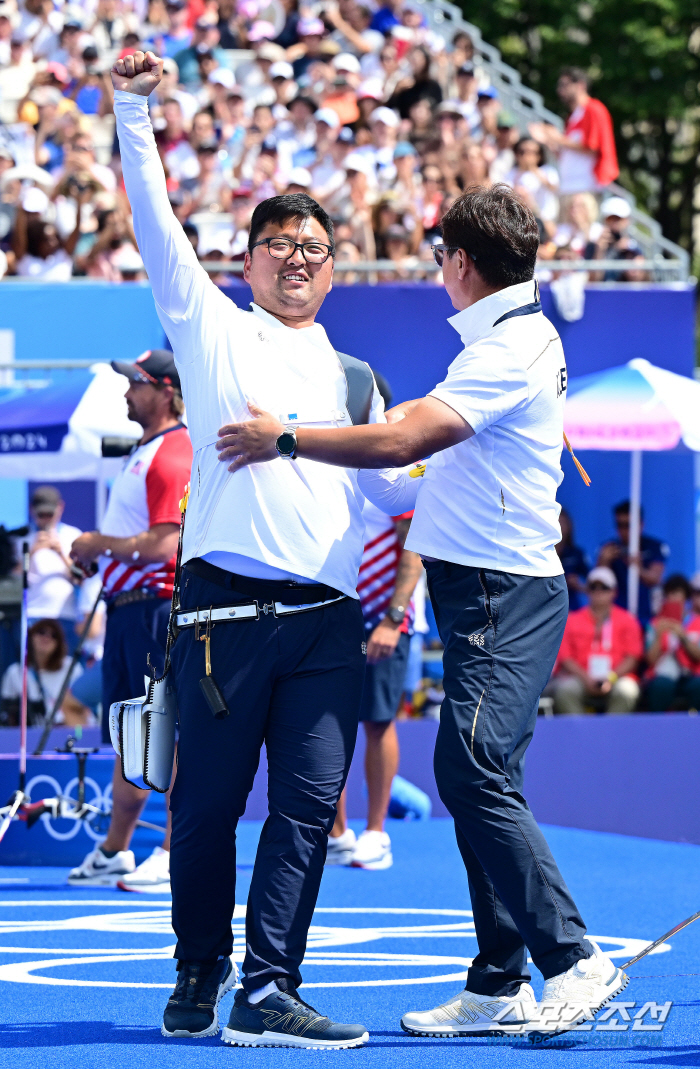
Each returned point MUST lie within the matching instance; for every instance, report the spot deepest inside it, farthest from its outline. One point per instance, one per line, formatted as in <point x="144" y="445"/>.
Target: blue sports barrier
<point x="644" y="767"/>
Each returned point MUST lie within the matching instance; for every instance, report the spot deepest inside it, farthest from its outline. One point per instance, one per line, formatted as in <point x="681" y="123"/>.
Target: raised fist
<point x="139" y="73"/>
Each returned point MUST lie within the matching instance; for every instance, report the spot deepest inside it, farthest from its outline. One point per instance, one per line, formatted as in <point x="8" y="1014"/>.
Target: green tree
<point x="643" y="57"/>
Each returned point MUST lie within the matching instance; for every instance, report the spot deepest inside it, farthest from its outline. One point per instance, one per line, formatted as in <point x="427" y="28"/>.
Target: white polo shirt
<point x="277" y="519"/>
<point x="490" y="501"/>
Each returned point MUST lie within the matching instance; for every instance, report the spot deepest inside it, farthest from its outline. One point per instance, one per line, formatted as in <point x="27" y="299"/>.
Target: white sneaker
<point x="373" y="851"/>
<point x="100" y="871"/>
<point x="153" y="874"/>
<point x="576" y="995"/>
<point x="341" y="847"/>
<point x="468" y="1014"/>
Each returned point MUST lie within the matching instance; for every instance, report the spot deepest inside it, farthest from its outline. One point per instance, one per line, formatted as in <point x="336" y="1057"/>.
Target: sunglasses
<point x="599" y="586"/>
<point x="44" y="514"/>
<point x="440" y="250"/>
<point x="45" y="632"/>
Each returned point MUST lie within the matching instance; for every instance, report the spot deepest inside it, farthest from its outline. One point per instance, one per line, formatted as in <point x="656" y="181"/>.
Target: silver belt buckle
<point x="265" y="609"/>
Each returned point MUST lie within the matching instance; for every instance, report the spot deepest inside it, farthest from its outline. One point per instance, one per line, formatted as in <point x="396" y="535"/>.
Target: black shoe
<point x="192" y="1011"/>
<point x="285" y="1020"/>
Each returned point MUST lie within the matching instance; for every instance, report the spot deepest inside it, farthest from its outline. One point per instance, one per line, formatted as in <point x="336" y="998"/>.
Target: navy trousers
<point x="133" y="632"/>
<point x="501" y="634"/>
<point x="295" y="684"/>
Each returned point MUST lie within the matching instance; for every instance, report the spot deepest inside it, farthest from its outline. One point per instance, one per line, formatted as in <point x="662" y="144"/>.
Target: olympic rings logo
<point x="64" y="828"/>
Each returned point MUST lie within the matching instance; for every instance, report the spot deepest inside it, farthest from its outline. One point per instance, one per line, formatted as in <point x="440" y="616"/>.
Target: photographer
<point x="40" y="251"/>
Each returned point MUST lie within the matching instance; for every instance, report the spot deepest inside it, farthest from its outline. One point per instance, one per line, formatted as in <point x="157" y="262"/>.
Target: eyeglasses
<point x="440" y="250"/>
<point x="314" y="252"/>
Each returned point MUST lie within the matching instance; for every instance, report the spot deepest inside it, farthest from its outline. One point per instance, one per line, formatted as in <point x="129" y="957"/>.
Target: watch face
<point x="286" y="443"/>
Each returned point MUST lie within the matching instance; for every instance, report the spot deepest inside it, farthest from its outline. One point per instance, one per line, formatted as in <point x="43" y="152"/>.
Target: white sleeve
<point x="180" y="285"/>
<point x="392" y="490"/>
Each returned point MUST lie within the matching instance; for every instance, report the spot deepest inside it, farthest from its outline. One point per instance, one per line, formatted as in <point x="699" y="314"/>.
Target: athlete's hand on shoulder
<point x="138" y="73"/>
<point x="249" y="442"/>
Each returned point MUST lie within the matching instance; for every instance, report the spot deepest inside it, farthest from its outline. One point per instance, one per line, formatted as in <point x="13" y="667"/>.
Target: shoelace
<point x="192" y="981"/>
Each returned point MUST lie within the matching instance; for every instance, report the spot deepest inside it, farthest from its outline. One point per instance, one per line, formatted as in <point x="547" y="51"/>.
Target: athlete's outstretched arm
<point x="175" y="275"/>
<point x="431" y="426"/>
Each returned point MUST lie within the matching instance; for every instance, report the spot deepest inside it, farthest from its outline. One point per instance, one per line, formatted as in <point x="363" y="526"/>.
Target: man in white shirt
<point x="486" y="525"/>
<point x="271" y="557"/>
<point x="51" y="591"/>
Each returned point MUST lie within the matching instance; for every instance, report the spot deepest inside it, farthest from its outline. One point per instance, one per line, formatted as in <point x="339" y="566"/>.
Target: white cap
<point x="281" y="69"/>
<point x="329" y="117"/>
<point x="358" y="161"/>
<point x="385" y="115"/>
<point x="603" y="575"/>
<point x="35" y="200"/>
<point x="128" y="258"/>
<point x="223" y="76"/>
<point x="345" y="61"/>
<point x="615" y="206"/>
<point x="371" y="89"/>
<point x="299" y="176"/>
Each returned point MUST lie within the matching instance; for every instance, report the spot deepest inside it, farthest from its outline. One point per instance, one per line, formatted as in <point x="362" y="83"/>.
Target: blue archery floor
<point x="84" y="975"/>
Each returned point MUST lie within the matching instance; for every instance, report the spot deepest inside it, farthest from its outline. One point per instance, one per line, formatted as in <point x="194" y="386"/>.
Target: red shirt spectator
<point x="618" y="638"/>
<point x="586" y="149"/>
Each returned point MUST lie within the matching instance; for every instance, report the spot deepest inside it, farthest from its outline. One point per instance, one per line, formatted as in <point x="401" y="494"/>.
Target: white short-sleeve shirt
<point x="490" y="501"/>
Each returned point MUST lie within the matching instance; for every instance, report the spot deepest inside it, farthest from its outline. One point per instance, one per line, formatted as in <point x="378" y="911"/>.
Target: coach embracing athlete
<point x="486" y="524"/>
<point x="270" y="628"/>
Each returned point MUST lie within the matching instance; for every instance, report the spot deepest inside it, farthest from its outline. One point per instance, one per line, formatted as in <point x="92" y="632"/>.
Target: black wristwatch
<point x="397" y="614"/>
<point x="286" y="445"/>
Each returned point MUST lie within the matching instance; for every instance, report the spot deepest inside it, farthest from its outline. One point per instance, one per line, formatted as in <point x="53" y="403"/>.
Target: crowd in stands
<point x="615" y="662"/>
<point x="361" y="105"/>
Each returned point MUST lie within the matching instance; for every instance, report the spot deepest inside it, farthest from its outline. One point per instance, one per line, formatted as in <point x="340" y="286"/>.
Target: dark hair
<point x="677" y="581"/>
<point x="575" y="74"/>
<point x="55" y="661"/>
<point x="623" y="509"/>
<point x="541" y="158"/>
<point x="498" y="230"/>
<point x="36" y="235"/>
<point x="278" y="210"/>
<point x="308" y="101"/>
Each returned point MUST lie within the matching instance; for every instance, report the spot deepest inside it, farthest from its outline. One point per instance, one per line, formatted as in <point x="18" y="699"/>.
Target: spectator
<point x="586" y="149"/>
<point x="353" y="33"/>
<point x="204" y="40"/>
<point x="383" y="125"/>
<point x="473" y="170"/>
<point x="420" y="86"/>
<point x="573" y="560"/>
<point x="178" y="36"/>
<point x="580" y="229"/>
<point x="503" y="155"/>
<point x="16" y="76"/>
<point x="48" y="662"/>
<point x="104" y="258"/>
<point x="652" y="560"/>
<point x="467" y="97"/>
<point x="311" y="32"/>
<point x="52" y="588"/>
<point x="386" y="16"/>
<point x="614" y="241"/>
<point x="673" y="650"/>
<point x="39" y="250"/>
<point x="535" y="182"/>
<point x="600" y="653"/>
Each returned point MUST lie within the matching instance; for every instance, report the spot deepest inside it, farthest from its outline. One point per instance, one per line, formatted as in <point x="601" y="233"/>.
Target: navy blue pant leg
<point x="293" y="683"/>
<point x="501" y="634"/>
<point x="133" y="632"/>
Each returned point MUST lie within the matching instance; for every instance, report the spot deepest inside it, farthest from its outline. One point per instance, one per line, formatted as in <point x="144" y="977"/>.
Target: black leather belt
<point x="127" y="597"/>
<point x="286" y="592"/>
